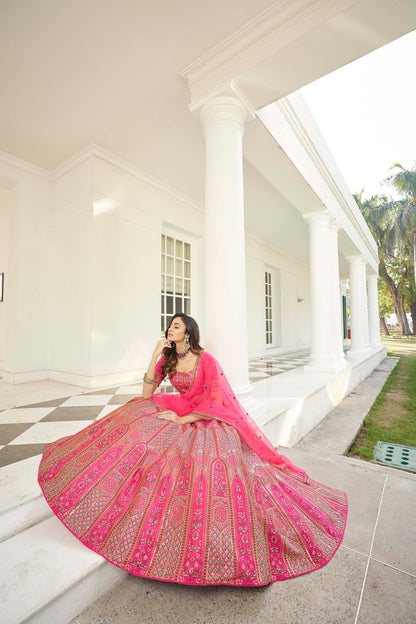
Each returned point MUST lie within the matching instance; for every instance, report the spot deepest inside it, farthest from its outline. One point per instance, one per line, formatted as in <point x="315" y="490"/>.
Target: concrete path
<point x="371" y="579"/>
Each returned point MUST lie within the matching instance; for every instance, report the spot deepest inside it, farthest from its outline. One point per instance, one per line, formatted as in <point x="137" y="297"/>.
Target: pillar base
<point x="362" y="350"/>
<point x="326" y="365"/>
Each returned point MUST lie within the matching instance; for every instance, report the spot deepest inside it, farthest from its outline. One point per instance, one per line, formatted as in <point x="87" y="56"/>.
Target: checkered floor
<point x="25" y="430"/>
<point x="264" y="367"/>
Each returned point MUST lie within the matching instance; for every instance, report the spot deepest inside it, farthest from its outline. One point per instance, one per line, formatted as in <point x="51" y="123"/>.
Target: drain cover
<point x="395" y="455"/>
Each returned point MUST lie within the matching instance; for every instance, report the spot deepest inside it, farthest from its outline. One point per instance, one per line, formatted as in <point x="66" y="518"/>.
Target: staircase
<point x="47" y="575"/>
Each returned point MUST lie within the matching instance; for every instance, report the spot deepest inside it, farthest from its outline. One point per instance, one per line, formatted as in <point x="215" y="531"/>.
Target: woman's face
<point x="177" y="330"/>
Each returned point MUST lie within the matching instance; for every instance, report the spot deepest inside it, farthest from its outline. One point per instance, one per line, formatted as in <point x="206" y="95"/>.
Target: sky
<point x="366" y="112"/>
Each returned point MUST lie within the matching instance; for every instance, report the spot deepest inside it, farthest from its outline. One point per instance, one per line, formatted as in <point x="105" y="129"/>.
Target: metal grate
<point x="395" y="455"/>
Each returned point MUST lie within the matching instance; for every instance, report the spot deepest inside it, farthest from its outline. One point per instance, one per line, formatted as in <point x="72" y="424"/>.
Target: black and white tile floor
<point x="25" y="430"/>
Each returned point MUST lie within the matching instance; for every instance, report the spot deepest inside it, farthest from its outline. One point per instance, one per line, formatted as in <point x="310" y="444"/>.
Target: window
<point x="175" y="278"/>
<point x="268" y="306"/>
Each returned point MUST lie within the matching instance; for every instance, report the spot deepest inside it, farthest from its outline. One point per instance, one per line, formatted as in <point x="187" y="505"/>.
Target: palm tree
<point x="403" y="229"/>
<point x="379" y="213"/>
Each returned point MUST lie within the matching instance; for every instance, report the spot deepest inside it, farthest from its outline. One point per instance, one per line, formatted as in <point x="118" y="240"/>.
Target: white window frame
<point x="268" y="307"/>
<point x="171" y="267"/>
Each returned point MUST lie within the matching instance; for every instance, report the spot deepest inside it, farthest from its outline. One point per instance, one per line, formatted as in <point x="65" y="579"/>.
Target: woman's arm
<point x="150" y="383"/>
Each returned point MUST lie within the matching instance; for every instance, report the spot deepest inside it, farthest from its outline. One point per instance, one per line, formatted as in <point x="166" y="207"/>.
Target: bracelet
<point x="147" y="379"/>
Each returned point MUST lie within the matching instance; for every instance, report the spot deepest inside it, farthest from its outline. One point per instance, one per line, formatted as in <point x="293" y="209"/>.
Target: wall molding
<point x="259" y="38"/>
<point x="24" y="165"/>
<point x="93" y="150"/>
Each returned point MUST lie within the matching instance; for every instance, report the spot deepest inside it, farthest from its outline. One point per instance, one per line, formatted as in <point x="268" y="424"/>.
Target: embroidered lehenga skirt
<point x="188" y="503"/>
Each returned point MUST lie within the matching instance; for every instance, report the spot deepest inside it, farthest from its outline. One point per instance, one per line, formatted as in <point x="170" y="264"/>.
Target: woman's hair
<point x="192" y="329"/>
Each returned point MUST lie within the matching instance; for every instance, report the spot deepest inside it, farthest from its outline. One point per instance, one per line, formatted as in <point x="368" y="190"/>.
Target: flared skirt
<point x="188" y="503"/>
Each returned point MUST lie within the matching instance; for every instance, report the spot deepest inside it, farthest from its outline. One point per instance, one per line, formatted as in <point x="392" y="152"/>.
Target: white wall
<point x="130" y="215"/>
<point x="6" y="202"/>
<point x="291" y="321"/>
<point x="25" y="354"/>
<point x="106" y="228"/>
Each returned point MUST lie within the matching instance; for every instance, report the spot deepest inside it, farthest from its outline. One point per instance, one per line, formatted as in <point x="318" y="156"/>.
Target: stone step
<point x="47" y="576"/>
<point x="22" y="503"/>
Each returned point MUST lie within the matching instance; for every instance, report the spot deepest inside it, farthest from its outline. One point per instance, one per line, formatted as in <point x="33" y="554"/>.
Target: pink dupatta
<point x="212" y="397"/>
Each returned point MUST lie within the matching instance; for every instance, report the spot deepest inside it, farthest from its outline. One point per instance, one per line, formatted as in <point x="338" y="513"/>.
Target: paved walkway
<point x="371" y="579"/>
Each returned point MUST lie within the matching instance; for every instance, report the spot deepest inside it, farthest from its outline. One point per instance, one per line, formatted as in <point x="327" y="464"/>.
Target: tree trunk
<point x="414" y="263"/>
<point x="413" y="315"/>
<point x="383" y="326"/>
<point x="401" y="316"/>
<point x="398" y="301"/>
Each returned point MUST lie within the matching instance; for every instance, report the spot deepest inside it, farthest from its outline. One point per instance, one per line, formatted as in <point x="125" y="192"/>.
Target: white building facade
<point x="226" y="205"/>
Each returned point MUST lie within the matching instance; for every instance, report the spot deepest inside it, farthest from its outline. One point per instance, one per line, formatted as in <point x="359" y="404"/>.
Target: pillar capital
<point x="223" y="109"/>
<point x="356" y="259"/>
<point x="334" y="227"/>
<point x="317" y="218"/>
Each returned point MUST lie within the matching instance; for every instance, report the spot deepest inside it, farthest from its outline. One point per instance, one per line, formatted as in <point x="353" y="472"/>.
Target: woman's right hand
<point x="160" y="345"/>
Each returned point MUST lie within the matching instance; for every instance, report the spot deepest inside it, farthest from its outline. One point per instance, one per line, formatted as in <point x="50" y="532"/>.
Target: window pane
<point x="179" y="250"/>
<point x="187" y="251"/>
<point x="187" y="269"/>
<point x="187" y="303"/>
<point x="162" y="324"/>
<point x="162" y="264"/>
<point x="169" y="285"/>
<point x="169" y="265"/>
<point x="178" y="304"/>
<point x="187" y="287"/>
<point x="163" y="242"/>
<point x="170" y="246"/>
<point x="178" y="285"/>
<point x="169" y="305"/>
<point x="178" y="268"/>
<point x="162" y="304"/>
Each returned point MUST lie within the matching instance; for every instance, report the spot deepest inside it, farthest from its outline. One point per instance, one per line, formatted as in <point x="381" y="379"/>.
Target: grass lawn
<point x="392" y="417"/>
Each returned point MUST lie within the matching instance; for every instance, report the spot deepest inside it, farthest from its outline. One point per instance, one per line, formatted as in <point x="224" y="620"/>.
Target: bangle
<point x="147" y="379"/>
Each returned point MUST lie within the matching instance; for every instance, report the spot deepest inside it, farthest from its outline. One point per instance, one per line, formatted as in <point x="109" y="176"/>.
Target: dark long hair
<point x="192" y="329"/>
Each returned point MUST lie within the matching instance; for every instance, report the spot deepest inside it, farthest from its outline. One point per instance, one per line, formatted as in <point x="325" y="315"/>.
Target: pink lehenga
<point x="203" y="503"/>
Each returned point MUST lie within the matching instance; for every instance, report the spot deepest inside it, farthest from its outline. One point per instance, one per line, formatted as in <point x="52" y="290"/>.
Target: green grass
<point x="392" y="417"/>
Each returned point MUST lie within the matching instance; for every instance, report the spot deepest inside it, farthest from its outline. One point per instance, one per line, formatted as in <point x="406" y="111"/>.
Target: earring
<point x="186" y="344"/>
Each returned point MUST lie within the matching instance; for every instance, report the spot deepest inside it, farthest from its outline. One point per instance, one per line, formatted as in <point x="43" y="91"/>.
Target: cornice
<point x="292" y="118"/>
<point x="93" y="150"/>
<point x="255" y="41"/>
<point x="24" y="165"/>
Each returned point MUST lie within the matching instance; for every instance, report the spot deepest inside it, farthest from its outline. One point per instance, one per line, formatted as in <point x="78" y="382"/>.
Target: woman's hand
<point x="160" y="345"/>
<point x="169" y="415"/>
<point x="179" y="420"/>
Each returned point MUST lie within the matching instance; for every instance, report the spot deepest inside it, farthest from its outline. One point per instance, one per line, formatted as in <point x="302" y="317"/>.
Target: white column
<point x="373" y="312"/>
<point x="322" y="354"/>
<point x="225" y="318"/>
<point x="340" y="361"/>
<point x="358" y="305"/>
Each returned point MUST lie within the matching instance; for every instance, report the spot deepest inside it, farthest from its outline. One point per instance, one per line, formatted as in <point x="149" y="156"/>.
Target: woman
<point x="185" y="487"/>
